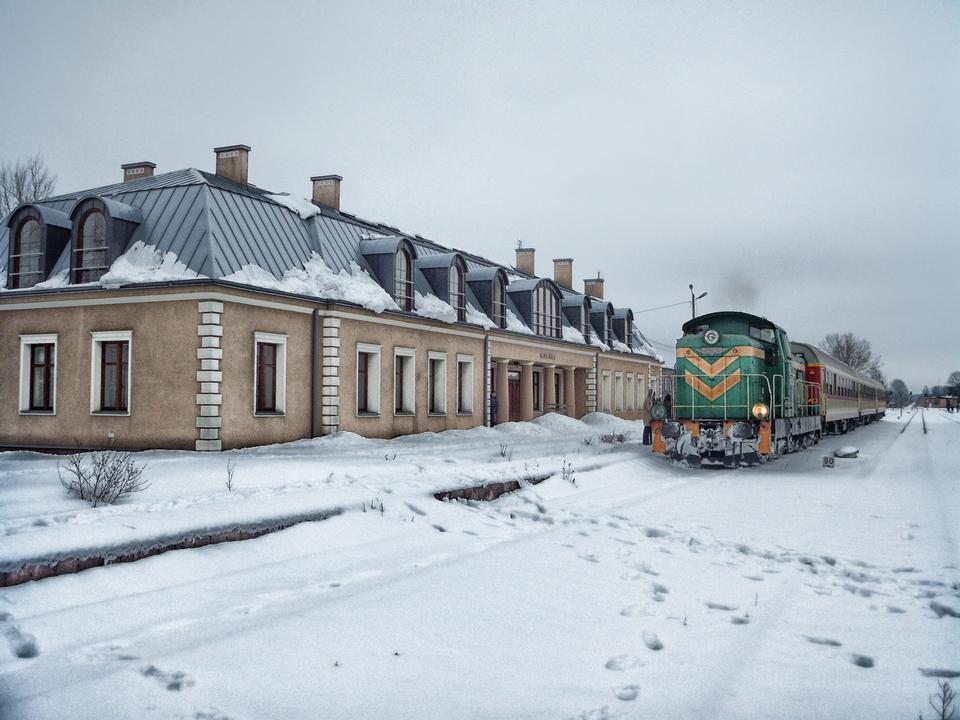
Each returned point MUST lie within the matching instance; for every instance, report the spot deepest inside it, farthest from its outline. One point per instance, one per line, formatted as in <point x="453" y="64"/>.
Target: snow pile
<point x="595" y="341"/>
<point x="318" y="280"/>
<point x="644" y="346"/>
<point x="144" y="263"/>
<point x="620" y="347"/>
<point x="303" y="207"/>
<point x="479" y="318"/>
<point x="60" y="279"/>
<point x="514" y="324"/>
<point x="430" y="306"/>
<point x="571" y="334"/>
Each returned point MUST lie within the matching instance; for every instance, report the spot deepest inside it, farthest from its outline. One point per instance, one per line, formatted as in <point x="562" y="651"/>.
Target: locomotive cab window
<point x="762" y="334"/>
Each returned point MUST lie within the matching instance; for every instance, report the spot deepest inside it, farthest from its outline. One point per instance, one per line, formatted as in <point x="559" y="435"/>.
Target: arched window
<point x="458" y="297"/>
<point x="403" y="279"/>
<point x="610" y="335"/>
<point x="91" y="248"/>
<point x="27" y="254"/>
<point x="546" y="311"/>
<point x="499" y="302"/>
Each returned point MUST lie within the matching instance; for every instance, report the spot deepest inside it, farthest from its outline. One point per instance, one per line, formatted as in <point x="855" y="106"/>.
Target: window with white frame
<point x="110" y="362"/>
<point x="404" y="381"/>
<point x="368" y="379"/>
<point x="618" y="385"/>
<point x="38" y="374"/>
<point x="464" y="384"/>
<point x="640" y="393"/>
<point x="631" y="393"/>
<point x="437" y="383"/>
<point x="403" y="280"/>
<point x="269" y="374"/>
<point x="607" y="392"/>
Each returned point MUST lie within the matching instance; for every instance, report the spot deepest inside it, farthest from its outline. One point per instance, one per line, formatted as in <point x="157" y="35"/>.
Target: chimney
<point x="135" y="171"/>
<point x="326" y="190"/>
<point x="232" y="162"/>
<point x="525" y="260"/>
<point x="563" y="272"/>
<point x="594" y="287"/>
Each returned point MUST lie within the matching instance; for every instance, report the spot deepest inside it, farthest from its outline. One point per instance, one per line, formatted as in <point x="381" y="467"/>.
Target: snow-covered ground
<point x="640" y="589"/>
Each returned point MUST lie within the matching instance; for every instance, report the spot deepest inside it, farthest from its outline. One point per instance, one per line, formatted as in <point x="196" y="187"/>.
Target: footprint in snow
<point x="822" y="641"/>
<point x="651" y="640"/>
<point x="415" y="509"/>
<point x="895" y="610"/>
<point x="174" y="681"/>
<point x="659" y="588"/>
<point x="620" y="663"/>
<point x="738" y="620"/>
<point x="939" y="673"/>
<point x="210" y="713"/>
<point x="22" y="645"/>
<point x="589" y="557"/>
<point x="627" y="692"/>
<point x="719" y="606"/>
<point x="755" y="578"/>
<point x="864" y="661"/>
<point x="652" y="532"/>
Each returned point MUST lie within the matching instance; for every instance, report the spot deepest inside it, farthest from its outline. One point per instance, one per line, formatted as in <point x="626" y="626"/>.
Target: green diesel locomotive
<point x="743" y="393"/>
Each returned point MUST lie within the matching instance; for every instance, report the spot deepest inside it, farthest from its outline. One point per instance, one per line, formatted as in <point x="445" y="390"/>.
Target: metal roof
<point x="216" y="226"/>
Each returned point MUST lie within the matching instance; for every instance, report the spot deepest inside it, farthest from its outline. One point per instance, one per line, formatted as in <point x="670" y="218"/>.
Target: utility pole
<point x="693" y="301"/>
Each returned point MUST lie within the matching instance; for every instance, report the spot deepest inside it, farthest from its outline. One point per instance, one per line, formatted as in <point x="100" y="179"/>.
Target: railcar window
<point x="695" y="330"/>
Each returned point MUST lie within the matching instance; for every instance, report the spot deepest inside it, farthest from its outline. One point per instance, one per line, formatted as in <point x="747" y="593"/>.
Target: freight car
<point x="743" y="393"/>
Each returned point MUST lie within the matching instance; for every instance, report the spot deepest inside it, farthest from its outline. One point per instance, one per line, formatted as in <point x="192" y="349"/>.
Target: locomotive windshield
<point x="761" y="334"/>
<point x="696" y="330"/>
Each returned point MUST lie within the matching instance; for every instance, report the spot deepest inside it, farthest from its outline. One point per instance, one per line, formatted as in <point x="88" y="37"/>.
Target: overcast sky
<point x="797" y="160"/>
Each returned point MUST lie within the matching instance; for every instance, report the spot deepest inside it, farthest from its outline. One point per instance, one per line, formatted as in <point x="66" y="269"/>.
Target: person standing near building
<point x="646" y="414"/>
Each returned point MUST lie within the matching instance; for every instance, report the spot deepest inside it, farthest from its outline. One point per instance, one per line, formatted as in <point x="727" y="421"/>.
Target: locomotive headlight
<point x="658" y="411"/>
<point x="760" y="411"/>
<point x="711" y="337"/>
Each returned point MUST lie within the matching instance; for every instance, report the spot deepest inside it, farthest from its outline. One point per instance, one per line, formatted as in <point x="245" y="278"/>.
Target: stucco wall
<point x="162" y="384"/>
<point x="390" y="337"/>
<point x="241" y="426"/>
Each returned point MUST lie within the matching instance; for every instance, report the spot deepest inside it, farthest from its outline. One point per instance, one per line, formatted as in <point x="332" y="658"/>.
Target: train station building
<point x="194" y="310"/>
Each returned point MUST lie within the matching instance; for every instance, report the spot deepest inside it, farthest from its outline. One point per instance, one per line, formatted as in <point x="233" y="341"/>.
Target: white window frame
<point x="606" y="391"/>
<point x="431" y="383"/>
<point x="26" y="342"/>
<point x="409" y="380"/>
<point x="281" y="390"/>
<point x="618" y="392"/>
<point x="465" y="408"/>
<point x="96" y="353"/>
<point x="641" y="395"/>
<point x="631" y="392"/>
<point x="373" y="381"/>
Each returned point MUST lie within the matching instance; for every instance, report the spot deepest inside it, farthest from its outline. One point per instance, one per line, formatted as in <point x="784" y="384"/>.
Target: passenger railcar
<point x="744" y="393"/>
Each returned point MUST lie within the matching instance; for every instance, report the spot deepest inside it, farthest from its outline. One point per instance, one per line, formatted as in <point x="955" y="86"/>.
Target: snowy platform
<point x="633" y="589"/>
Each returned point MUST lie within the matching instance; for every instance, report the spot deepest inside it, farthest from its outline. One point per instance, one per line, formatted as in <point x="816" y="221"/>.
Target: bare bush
<point x="102" y="477"/>
<point x="231" y="469"/>
<point x="942" y="702"/>
<point x="614" y="438"/>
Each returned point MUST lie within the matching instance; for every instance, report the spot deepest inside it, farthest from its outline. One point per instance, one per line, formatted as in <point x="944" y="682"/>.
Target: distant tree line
<point x="855" y="352"/>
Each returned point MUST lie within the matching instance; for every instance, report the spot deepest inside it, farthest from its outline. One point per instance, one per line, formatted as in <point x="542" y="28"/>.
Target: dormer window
<point x="403" y="287"/>
<point x="610" y="335"/>
<point x="102" y="229"/>
<point x="499" y="302"/>
<point x="458" y="295"/>
<point x="546" y="311"/>
<point x="91" y="249"/>
<point x="585" y="322"/>
<point x="27" y="257"/>
<point x="38" y="234"/>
